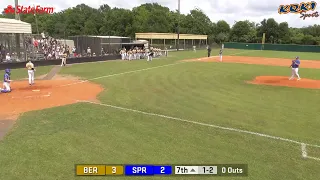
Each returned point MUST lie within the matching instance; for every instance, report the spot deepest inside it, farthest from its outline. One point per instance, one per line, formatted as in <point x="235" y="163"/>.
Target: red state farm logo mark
<point x="9" y="10"/>
<point x="29" y="10"/>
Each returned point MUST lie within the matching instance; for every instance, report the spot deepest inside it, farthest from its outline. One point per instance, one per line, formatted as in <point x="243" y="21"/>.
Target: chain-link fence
<point x="99" y="45"/>
<point x="14" y="47"/>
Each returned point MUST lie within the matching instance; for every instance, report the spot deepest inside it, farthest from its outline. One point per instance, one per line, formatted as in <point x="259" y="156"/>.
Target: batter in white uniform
<point x="31" y="70"/>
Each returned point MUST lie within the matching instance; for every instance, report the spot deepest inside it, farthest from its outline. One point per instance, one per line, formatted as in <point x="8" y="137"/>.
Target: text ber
<point x="93" y="170"/>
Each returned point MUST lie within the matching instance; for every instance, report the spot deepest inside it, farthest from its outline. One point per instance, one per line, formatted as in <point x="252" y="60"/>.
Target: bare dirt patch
<point x="42" y="95"/>
<point x="284" y="81"/>
<point x="260" y="61"/>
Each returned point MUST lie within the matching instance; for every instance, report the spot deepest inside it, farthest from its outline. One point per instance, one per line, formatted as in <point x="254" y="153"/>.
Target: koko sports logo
<point x="301" y="9"/>
<point x="28" y="10"/>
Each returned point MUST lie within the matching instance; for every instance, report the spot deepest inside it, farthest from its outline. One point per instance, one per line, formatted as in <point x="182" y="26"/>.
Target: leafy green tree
<point x="152" y="17"/>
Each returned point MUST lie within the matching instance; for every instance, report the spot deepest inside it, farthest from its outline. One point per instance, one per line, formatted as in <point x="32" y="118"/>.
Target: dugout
<point x="170" y="40"/>
<point x="133" y="45"/>
<point x="13" y="35"/>
<point x="110" y="44"/>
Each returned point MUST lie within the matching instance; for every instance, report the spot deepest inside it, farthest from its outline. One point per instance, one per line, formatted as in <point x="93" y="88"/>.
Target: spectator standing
<point x="88" y="51"/>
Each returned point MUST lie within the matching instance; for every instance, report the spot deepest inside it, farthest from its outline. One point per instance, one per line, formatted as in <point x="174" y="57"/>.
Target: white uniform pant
<point x="123" y="56"/>
<point x="6" y="86"/>
<point x="294" y="73"/>
<point x="31" y="76"/>
<point x="63" y="61"/>
<point x="220" y="57"/>
<point x="150" y="57"/>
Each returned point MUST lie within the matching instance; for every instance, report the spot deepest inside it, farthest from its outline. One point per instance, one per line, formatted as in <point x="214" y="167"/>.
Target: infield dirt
<point x="44" y="94"/>
<point x="271" y="80"/>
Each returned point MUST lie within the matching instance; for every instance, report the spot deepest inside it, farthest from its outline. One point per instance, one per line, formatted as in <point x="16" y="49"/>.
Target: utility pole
<point x="17" y="36"/>
<point x="178" y="27"/>
<point x="16" y="15"/>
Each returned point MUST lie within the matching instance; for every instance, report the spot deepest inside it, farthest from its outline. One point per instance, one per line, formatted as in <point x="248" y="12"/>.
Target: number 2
<point x="114" y="170"/>
<point x="211" y="170"/>
<point x="162" y="170"/>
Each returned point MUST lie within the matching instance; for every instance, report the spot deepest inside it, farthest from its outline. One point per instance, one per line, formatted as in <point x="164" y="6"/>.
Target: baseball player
<point x="295" y="68"/>
<point x="122" y="54"/>
<point x="150" y="55"/>
<point x="220" y="54"/>
<point x="209" y="51"/>
<point x="64" y="58"/>
<point x="6" y="81"/>
<point x="31" y="70"/>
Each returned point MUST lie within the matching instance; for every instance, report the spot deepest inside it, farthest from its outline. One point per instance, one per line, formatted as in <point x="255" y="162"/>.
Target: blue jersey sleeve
<point x="298" y="62"/>
<point x="6" y="77"/>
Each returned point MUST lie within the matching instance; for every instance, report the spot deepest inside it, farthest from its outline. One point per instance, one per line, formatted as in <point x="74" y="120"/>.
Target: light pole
<point x="178" y="26"/>
<point x="17" y="36"/>
<point x="16" y="15"/>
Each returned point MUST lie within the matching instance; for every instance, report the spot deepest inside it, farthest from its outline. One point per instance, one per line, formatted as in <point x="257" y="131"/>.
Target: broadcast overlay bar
<point x="161" y="170"/>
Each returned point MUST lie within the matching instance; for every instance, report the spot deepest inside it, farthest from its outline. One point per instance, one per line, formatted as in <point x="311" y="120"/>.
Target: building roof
<point x="132" y="43"/>
<point x="107" y="37"/>
<point x="169" y="36"/>
<point x="12" y="21"/>
<point x="14" y="26"/>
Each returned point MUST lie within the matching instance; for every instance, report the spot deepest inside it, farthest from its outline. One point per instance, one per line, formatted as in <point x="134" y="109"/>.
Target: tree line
<point x="152" y="17"/>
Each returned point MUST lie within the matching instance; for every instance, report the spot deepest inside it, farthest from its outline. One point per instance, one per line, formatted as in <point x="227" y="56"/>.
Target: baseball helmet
<point x="297" y="57"/>
<point x="7" y="70"/>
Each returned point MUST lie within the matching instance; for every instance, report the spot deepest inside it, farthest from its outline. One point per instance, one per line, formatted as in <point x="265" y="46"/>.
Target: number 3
<point x="114" y="170"/>
<point x="162" y="170"/>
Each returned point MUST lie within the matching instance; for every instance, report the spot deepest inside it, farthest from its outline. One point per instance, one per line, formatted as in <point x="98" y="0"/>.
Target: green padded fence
<point x="273" y="47"/>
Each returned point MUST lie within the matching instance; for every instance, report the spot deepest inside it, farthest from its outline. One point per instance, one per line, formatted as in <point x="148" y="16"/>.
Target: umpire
<point x="209" y="51"/>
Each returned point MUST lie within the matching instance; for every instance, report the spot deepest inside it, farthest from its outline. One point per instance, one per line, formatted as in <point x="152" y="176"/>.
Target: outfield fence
<point x="273" y="47"/>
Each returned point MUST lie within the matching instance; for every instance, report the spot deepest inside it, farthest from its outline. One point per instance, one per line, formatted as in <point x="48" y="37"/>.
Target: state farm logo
<point x="29" y="10"/>
<point x="301" y="9"/>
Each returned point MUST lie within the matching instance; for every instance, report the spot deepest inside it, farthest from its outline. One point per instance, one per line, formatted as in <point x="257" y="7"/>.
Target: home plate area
<point x="45" y="94"/>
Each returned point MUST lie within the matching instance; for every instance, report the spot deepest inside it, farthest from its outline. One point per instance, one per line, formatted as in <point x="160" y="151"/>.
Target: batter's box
<point x="27" y="96"/>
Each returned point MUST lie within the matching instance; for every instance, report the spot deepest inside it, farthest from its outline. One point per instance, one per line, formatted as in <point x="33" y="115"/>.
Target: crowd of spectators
<point x="49" y="47"/>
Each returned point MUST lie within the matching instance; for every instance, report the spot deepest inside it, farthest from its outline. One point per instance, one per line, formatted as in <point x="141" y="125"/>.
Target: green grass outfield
<point x="45" y="145"/>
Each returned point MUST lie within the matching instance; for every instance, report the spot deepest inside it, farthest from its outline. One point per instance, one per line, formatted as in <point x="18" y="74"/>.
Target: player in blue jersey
<point x="6" y="81"/>
<point x="295" y="68"/>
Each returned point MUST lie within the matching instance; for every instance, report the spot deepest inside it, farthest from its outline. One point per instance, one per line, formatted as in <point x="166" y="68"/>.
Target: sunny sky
<point x="228" y="10"/>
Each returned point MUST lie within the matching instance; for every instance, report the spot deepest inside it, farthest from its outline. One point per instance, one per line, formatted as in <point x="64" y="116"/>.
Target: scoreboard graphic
<point x="161" y="170"/>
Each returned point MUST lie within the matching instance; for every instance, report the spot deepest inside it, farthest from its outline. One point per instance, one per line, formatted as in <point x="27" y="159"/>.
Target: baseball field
<point x="182" y="109"/>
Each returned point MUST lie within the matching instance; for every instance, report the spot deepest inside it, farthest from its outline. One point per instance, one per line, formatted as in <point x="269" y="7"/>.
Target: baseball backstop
<point x="13" y="40"/>
<point x="273" y="47"/>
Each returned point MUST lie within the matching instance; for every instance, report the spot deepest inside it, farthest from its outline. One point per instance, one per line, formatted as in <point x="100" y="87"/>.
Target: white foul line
<point x="305" y="154"/>
<point x="117" y="74"/>
<point x="303" y="145"/>
<point x="139" y="70"/>
<point x="304" y="150"/>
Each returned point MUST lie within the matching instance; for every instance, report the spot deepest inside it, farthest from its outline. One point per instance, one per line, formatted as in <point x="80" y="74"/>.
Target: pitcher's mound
<point x="284" y="81"/>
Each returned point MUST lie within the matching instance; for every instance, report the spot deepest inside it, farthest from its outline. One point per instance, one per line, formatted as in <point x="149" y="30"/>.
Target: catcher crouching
<point x="6" y="82"/>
